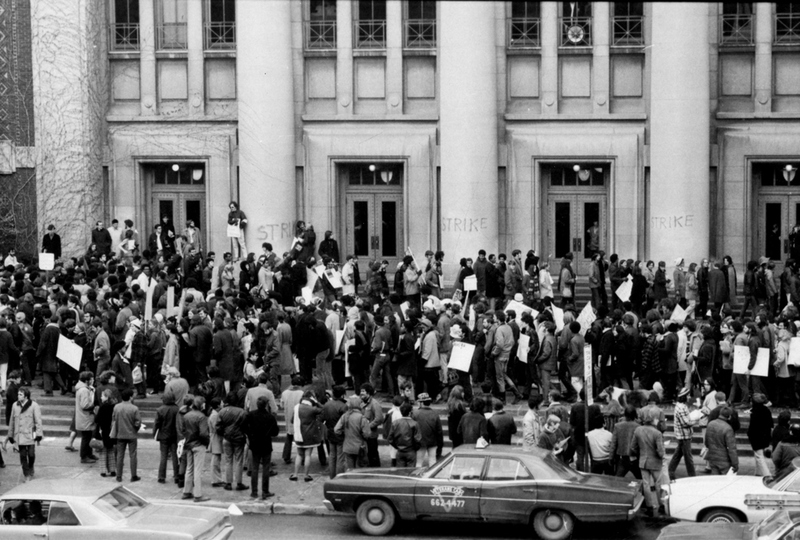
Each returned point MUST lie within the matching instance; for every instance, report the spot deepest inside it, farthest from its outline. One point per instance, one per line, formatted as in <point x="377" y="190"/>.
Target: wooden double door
<point x="374" y="227"/>
<point x="577" y="224"/>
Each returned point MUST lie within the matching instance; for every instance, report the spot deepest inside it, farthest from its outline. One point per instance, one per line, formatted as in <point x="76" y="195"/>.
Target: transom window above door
<point x="576" y="174"/>
<point x="776" y="174"/>
<point x="372" y="174"/>
<point x="183" y="174"/>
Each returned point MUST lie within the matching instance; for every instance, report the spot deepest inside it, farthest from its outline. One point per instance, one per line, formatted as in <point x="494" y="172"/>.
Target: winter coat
<point x="48" y="347"/>
<point x="260" y="427"/>
<point x="721" y="443"/>
<point x="125" y="421"/>
<point x="231" y="424"/>
<point x="354" y="429"/>
<point x="310" y="427"/>
<point x="84" y="407"/>
<point x="717" y="286"/>
<point x="26" y="423"/>
<point x="759" y="431"/>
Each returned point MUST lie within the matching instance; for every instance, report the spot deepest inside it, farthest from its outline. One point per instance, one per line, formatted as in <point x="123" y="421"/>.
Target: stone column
<point x="344" y="58"/>
<point x="763" y="27"/>
<point x="394" y="57"/>
<point x="679" y="141"/>
<point x="194" y="29"/>
<point x="69" y="93"/>
<point x="266" y="122"/>
<point x="147" y="58"/>
<point x="468" y="123"/>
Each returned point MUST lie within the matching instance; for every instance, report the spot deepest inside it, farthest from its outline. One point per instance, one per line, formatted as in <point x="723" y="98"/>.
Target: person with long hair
<point x="456" y="408"/>
<point x="729" y="271"/>
<point x="785" y="397"/>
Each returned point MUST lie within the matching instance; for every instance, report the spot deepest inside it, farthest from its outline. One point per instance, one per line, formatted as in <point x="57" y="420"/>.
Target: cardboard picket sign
<point x="47" y="261"/>
<point x="586" y="318"/>
<point x="741" y="359"/>
<point x="523" y="346"/>
<point x="794" y="352"/>
<point x="679" y="315"/>
<point x="624" y="291"/>
<point x="69" y="352"/>
<point x="461" y="356"/>
<point x="471" y="283"/>
<point x="558" y="317"/>
<point x="233" y="229"/>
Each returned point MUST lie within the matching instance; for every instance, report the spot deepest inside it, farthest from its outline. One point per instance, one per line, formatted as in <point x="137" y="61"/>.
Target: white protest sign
<point x="461" y="356"/>
<point x="69" y="352"/>
<point x="794" y="352"/>
<point x="233" y="229"/>
<point x="307" y="294"/>
<point x="170" y="301"/>
<point x="347" y="344"/>
<point x="338" y="341"/>
<point x="741" y="359"/>
<point x="472" y="318"/>
<point x="586" y="318"/>
<point x="148" y="307"/>
<point x="47" y="261"/>
<point x="471" y="283"/>
<point x="624" y="291"/>
<point x="520" y="308"/>
<point x="319" y="269"/>
<point x="588" y="373"/>
<point x="558" y="317"/>
<point x="523" y="346"/>
<point x="404" y="307"/>
<point x="311" y="279"/>
<point x="679" y="314"/>
<point x="334" y="278"/>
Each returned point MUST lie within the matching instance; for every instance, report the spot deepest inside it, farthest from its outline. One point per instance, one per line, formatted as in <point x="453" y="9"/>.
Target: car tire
<point x="720" y="515"/>
<point x="375" y="517"/>
<point x="553" y="524"/>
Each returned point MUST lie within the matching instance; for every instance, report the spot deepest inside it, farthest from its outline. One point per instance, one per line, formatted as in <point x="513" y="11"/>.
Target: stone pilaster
<point x="266" y="121"/>
<point x="468" y="123"/>
<point x="679" y="147"/>
<point x="69" y="84"/>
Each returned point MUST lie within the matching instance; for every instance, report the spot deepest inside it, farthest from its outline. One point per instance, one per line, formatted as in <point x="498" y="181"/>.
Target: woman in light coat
<point x="545" y="281"/>
<point x="25" y="430"/>
<point x="84" y="412"/>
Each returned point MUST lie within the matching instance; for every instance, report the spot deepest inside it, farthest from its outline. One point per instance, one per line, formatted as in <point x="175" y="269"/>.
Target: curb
<point x="255" y="507"/>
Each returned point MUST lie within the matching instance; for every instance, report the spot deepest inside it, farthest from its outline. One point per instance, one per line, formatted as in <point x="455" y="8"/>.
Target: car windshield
<point x="770" y="528"/>
<point x="120" y="504"/>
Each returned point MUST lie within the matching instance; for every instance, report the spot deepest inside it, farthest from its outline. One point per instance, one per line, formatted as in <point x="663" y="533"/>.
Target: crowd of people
<point x="229" y="349"/>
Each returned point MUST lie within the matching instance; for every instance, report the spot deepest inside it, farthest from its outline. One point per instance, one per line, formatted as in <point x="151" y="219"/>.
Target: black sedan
<point x="501" y="484"/>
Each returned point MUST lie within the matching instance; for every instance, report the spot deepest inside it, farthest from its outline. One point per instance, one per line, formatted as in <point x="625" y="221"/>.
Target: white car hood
<point x="689" y="496"/>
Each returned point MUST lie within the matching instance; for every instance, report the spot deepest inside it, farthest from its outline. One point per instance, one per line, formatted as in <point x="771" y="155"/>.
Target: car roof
<point x="66" y="488"/>
<point x="501" y="449"/>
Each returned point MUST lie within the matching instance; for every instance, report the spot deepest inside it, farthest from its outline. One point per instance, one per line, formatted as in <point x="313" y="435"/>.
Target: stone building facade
<point x="670" y="129"/>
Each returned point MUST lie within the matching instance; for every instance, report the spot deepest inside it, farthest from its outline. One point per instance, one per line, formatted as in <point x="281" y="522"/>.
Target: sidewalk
<point x="298" y="498"/>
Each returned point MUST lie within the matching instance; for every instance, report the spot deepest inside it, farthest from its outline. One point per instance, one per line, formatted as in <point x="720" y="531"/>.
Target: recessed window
<point x="321" y="25"/>
<point x="124" y="25"/>
<point x="736" y="25"/>
<point x="370" y="28"/>
<point x="787" y="22"/>
<point x="628" y="24"/>
<point x="372" y="174"/>
<point x="171" y="25"/>
<point x="576" y="24"/>
<point x="576" y="174"/>
<point x="419" y="27"/>
<point x="220" y="27"/>
<point x="524" y="25"/>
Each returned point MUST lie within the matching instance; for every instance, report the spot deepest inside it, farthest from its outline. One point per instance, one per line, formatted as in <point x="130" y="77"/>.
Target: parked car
<point x="496" y="484"/>
<point x="779" y="525"/>
<point x="731" y="498"/>
<point x="72" y="509"/>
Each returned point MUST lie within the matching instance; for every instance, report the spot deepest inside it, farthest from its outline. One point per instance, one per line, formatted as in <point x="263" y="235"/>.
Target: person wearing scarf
<point x="25" y="430"/>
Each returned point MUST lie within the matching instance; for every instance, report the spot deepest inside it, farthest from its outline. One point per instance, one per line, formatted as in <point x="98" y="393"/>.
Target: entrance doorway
<point x="373" y="220"/>
<point x="778" y="210"/>
<point x="576" y="217"/>
<point x="176" y="190"/>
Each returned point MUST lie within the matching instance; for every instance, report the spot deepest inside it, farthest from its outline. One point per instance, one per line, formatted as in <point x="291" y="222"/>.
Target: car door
<point x="63" y="524"/>
<point x="16" y="522"/>
<point x="508" y="492"/>
<point x="453" y="491"/>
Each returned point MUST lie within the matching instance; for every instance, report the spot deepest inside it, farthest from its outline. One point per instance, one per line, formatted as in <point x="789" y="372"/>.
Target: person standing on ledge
<point x="237" y="217"/>
<point x="329" y="248"/>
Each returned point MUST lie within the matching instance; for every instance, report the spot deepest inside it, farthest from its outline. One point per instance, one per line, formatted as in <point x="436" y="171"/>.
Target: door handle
<point x="529" y="490"/>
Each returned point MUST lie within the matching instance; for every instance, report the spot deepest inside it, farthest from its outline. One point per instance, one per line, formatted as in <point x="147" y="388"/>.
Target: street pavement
<point x="52" y="461"/>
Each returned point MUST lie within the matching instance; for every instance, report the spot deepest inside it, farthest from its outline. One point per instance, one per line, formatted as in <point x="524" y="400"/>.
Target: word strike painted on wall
<point x="273" y="231"/>
<point x="464" y="224"/>
<point x="672" y="222"/>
